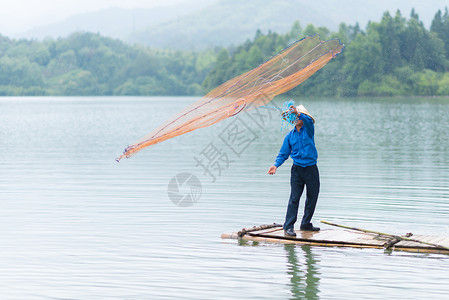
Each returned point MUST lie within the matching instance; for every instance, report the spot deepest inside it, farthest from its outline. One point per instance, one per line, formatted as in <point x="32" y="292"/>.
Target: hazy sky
<point x="19" y="15"/>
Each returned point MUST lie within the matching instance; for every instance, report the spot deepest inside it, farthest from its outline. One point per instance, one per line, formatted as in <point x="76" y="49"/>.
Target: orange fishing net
<point x="284" y="71"/>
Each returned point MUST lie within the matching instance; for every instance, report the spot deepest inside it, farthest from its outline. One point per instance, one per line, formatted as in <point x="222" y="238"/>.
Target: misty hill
<point x="229" y="22"/>
<point x="113" y="22"/>
<point x="396" y="56"/>
<point x="201" y="24"/>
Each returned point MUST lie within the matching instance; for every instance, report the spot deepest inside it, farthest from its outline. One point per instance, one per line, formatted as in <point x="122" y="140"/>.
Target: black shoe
<point x="289" y="232"/>
<point x="310" y="228"/>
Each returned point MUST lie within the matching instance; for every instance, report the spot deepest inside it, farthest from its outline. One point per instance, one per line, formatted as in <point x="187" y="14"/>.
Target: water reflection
<point x="303" y="271"/>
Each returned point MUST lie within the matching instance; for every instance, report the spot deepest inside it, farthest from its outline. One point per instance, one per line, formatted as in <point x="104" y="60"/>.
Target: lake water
<point x="74" y="224"/>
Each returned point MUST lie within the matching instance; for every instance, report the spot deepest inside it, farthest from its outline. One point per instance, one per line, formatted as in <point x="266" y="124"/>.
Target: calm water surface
<point x="74" y="224"/>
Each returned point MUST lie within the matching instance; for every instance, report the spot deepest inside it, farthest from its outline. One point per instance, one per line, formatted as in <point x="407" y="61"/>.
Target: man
<point x="299" y="144"/>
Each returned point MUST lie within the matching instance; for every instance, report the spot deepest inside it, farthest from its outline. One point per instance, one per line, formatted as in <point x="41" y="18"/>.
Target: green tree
<point x="218" y="74"/>
<point x="363" y="61"/>
<point x="440" y="26"/>
<point x="388" y="31"/>
<point x="80" y="82"/>
<point x="443" y="85"/>
<point x="322" y="31"/>
<point x="426" y="83"/>
<point x="422" y="48"/>
<point x="19" y="72"/>
<point x="295" y="32"/>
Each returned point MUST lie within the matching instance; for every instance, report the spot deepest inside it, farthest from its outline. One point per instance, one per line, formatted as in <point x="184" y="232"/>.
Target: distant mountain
<point x="114" y="22"/>
<point x="233" y="21"/>
<point x="199" y="24"/>
<point x="230" y="22"/>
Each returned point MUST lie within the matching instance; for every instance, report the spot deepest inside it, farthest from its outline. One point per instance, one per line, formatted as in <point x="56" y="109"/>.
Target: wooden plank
<point x="405" y="238"/>
<point x="444" y="241"/>
<point x="343" y="238"/>
<point x="327" y="235"/>
<point x="301" y="242"/>
<point x="269" y="230"/>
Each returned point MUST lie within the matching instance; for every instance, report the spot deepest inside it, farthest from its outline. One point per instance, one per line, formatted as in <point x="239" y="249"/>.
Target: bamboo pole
<point x="386" y="234"/>
<point x="257" y="228"/>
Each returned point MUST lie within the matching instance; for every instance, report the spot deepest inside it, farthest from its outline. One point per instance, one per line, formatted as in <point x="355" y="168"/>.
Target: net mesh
<point x="288" y="117"/>
<point x="284" y="71"/>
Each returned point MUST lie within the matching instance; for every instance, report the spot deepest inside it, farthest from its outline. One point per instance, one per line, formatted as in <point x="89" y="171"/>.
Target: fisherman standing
<point x="299" y="144"/>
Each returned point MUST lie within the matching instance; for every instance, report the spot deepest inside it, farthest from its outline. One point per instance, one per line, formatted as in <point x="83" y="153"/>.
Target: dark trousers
<point x="300" y="177"/>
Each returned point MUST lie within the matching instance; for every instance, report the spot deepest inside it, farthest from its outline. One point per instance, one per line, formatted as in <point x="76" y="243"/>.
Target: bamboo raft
<point x="348" y="237"/>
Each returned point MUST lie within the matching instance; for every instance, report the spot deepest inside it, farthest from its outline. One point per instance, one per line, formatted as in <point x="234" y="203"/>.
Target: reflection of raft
<point x="349" y="237"/>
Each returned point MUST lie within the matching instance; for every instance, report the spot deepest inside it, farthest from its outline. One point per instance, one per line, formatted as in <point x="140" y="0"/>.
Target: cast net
<point x="282" y="72"/>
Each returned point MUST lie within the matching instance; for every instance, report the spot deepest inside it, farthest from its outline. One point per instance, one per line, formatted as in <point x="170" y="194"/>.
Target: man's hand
<point x="293" y="109"/>
<point x="272" y="170"/>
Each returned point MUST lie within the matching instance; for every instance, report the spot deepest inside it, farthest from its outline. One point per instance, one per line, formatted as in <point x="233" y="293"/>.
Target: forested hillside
<point x="396" y="56"/>
<point x="88" y="64"/>
<point x="393" y="57"/>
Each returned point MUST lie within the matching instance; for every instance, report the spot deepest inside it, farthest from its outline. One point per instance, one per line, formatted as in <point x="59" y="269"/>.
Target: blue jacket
<point x="300" y="146"/>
